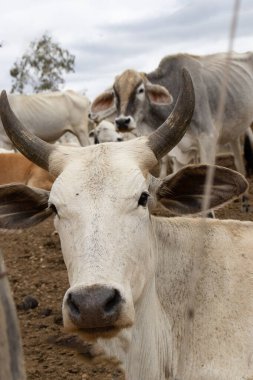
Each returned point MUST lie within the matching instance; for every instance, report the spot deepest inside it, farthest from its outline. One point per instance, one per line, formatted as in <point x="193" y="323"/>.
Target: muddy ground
<point x="36" y="269"/>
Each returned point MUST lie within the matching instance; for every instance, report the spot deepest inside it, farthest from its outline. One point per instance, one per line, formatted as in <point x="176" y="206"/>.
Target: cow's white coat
<point x="50" y="115"/>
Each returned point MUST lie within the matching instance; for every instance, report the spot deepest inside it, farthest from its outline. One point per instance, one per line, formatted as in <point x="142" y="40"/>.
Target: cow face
<point x="106" y="273"/>
<point x="105" y="132"/>
<point x="132" y="96"/>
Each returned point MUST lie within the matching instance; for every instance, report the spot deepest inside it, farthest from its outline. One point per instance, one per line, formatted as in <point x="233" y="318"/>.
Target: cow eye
<point x="143" y="199"/>
<point x="140" y="90"/>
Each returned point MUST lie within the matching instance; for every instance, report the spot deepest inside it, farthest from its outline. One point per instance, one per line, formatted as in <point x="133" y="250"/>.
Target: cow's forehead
<point x="102" y="168"/>
<point x="126" y="83"/>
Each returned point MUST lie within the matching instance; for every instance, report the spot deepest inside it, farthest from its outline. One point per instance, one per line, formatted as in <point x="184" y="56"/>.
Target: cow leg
<point x="239" y="164"/>
<point x="83" y="136"/>
<point x="207" y="148"/>
<point x="238" y="158"/>
<point x="245" y="202"/>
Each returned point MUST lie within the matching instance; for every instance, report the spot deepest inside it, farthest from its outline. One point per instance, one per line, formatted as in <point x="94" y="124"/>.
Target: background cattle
<point x="16" y="168"/>
<point x="50" y="115"/>
<point x="105" y="131"/>
<point x="168" y="297"/>
<point x="143" y="101"/>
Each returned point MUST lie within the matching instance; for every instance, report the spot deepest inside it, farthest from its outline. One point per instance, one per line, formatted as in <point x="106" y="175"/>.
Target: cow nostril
<point x="113" y="301"/>
<point x="72" y="305"/>
<point x="122" y="122"/>
<point x="94" y="306"/>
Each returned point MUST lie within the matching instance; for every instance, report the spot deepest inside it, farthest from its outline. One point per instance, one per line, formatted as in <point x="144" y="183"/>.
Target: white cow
<point x="170" y="298"/>
<point x="105" y="131"/>
<point x="50" y="115"/>
<point x="15" y="168"/>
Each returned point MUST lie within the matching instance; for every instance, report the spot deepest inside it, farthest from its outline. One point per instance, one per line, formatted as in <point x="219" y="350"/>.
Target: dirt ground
<point x="36" y="268"/>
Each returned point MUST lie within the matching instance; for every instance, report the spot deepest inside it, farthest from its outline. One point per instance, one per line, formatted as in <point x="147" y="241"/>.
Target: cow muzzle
<point x="94" y="309"/>
<point x="125" y="123"/>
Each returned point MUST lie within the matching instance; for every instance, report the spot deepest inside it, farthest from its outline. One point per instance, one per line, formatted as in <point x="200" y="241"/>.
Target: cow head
<point x="102" y="200"/>
<point x="131" y="95"/>
<point x="105" y="132"/>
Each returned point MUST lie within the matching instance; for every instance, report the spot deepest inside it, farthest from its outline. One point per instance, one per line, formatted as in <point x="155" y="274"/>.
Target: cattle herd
<point x="171" y="298"/>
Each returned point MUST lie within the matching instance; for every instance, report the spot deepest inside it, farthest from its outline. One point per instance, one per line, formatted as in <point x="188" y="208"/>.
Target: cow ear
<point x="103" y="103"/>
<point x="158" y="94"/>
<point x="183" y="192"/>
<point x="22" y="206"/>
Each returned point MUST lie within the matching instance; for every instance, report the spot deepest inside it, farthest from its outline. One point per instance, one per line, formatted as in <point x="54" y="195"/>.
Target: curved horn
<point x="29" y="145"/>
<point x="172" y="130"/>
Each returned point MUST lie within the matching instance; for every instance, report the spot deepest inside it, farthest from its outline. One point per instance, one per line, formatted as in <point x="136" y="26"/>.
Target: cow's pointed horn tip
<point x="3" y="94"/>
<point x="3" y="99"/>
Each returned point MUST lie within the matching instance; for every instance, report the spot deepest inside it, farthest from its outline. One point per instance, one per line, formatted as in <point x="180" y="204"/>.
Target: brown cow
<point x="17" y="168"/>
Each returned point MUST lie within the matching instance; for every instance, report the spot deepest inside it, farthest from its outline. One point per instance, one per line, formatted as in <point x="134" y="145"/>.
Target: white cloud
<point x="109" y="36"/>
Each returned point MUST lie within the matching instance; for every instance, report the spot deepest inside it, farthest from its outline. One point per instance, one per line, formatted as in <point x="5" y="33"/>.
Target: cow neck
<point x="156" y="116"/>
<point x="151" y="339"/>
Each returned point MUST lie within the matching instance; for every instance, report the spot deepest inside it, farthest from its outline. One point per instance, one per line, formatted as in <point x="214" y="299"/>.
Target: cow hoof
<point x="245" y="204"/>
<point x="211" y="214"/>
<point x="246" y="208"/>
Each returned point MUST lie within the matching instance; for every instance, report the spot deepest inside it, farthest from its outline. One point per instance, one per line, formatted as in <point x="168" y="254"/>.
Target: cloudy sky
<point x="108" y="36"/>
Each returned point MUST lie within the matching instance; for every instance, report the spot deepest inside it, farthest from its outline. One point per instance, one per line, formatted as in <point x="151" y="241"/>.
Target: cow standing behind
<point x="143" y="101"/>
<point x="105" y="131"/>
<point x="16" y="168"/>
<point x="50" y="115"/>
<point x="170" y="298"/>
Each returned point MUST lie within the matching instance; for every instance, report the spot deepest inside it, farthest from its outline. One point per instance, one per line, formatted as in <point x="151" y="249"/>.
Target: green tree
<point x="42" y="66"/>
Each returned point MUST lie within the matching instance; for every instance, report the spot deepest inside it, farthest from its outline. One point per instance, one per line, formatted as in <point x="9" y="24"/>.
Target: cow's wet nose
<point x="93" y="307"/>
<point x="122" y="123"/>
